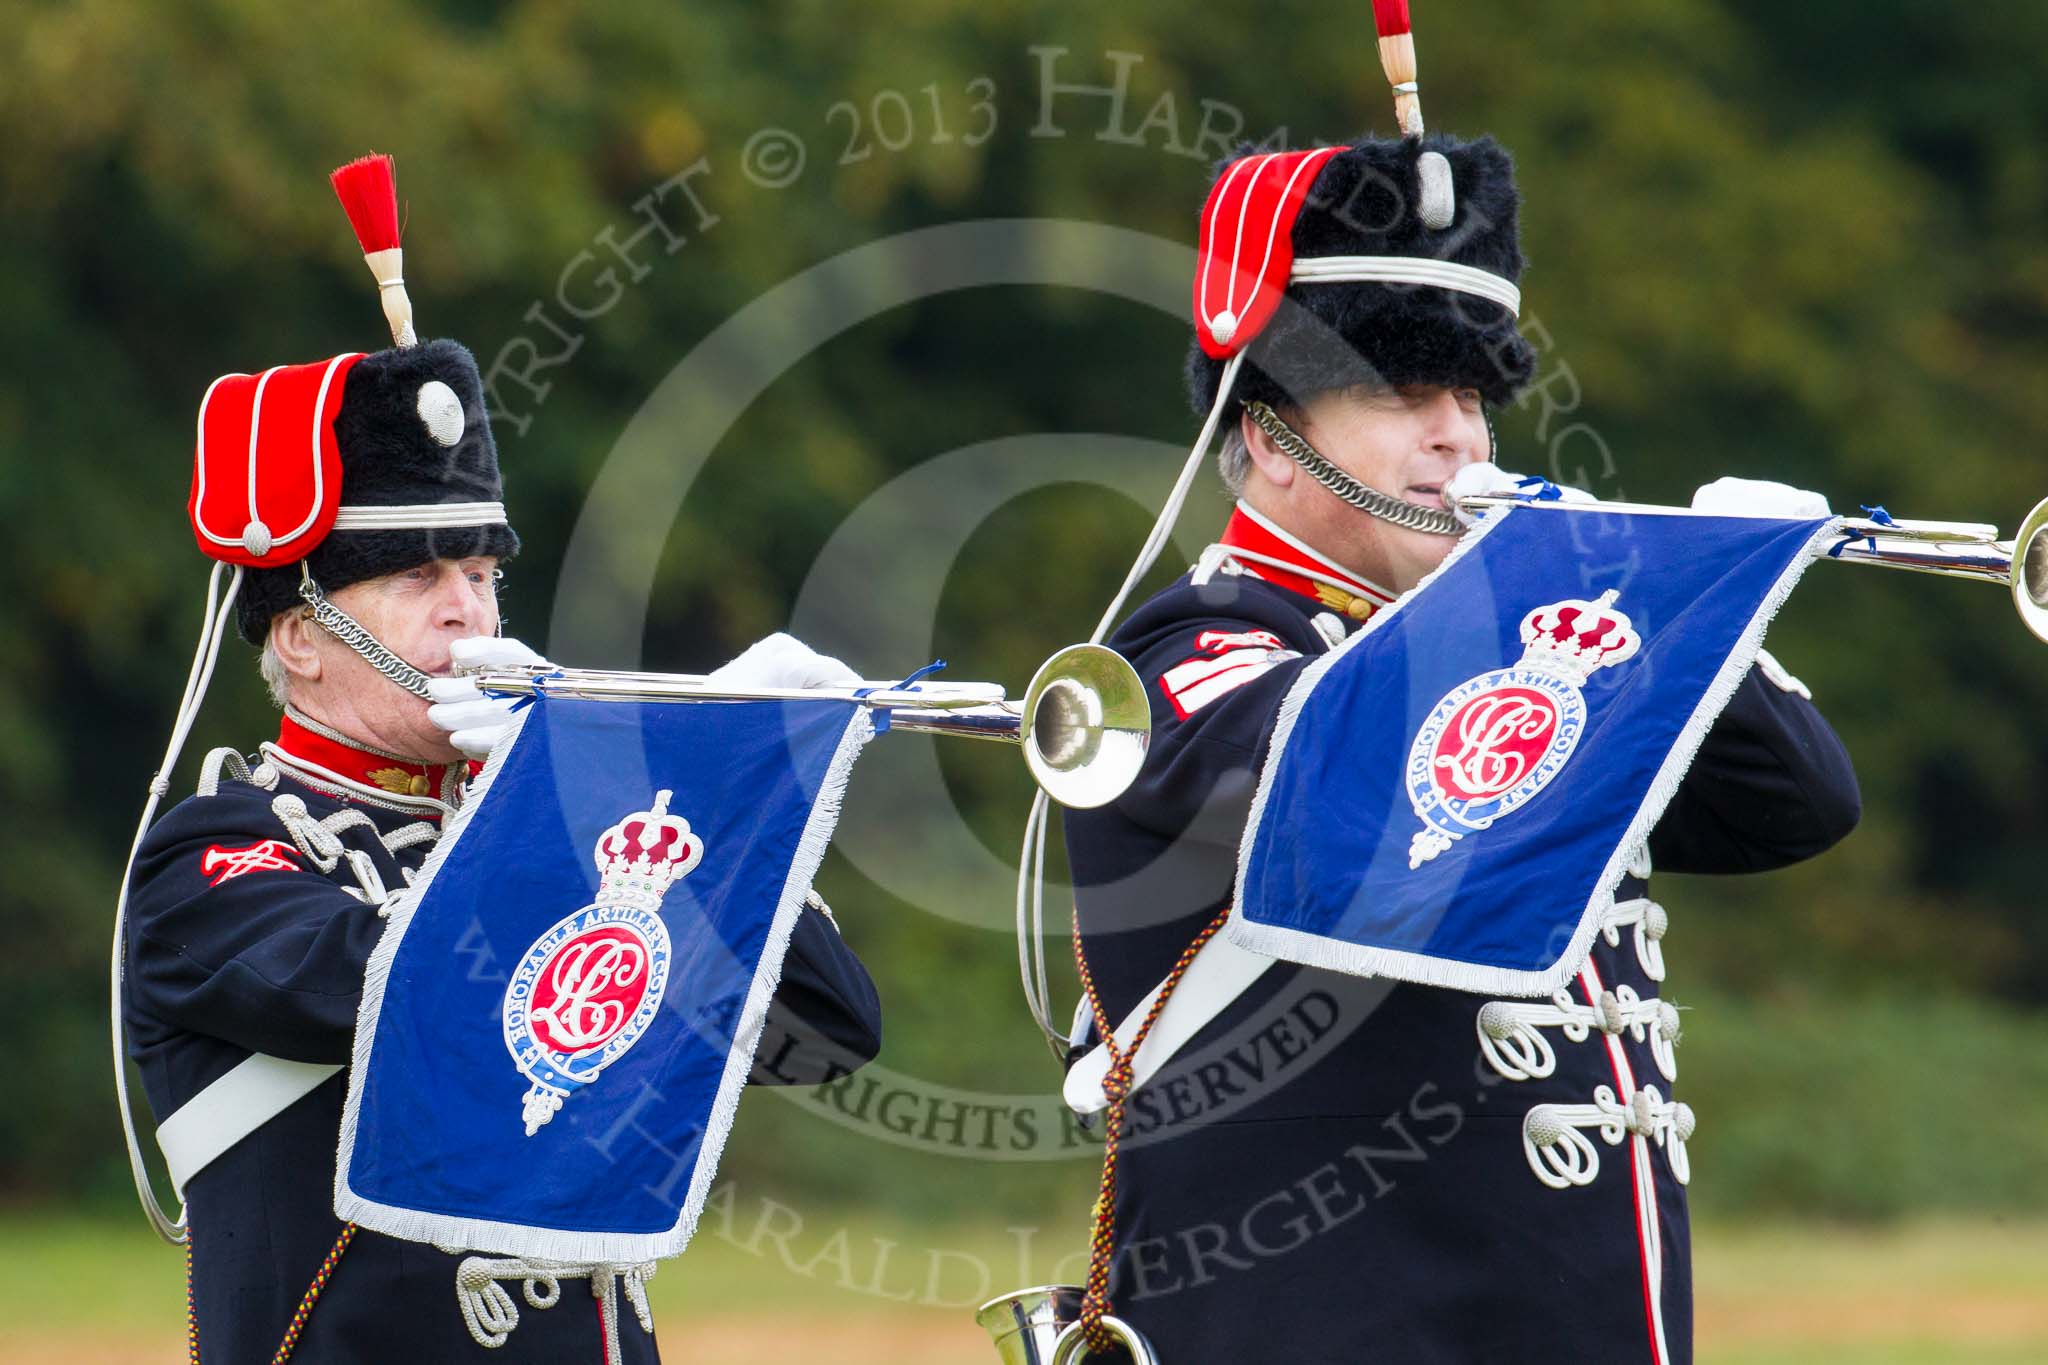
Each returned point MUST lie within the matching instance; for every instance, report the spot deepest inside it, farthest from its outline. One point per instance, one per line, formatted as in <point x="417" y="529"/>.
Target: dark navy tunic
<point x="271" y="959"/>
<point x="1334" y="1170"/>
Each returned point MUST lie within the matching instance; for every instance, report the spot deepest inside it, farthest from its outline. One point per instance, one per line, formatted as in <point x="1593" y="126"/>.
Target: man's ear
<point x="1273" y="464"/>
<point x="291" y="637"/>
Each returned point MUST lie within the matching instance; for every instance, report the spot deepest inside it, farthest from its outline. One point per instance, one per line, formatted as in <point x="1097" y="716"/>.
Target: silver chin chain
<point x="1370" y="501"/>
<point x="350" y="632"/>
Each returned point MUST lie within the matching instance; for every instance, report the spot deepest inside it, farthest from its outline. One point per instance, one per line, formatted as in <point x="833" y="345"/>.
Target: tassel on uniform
<point x="1439" y="202"/>
<point x="368" y="190"/>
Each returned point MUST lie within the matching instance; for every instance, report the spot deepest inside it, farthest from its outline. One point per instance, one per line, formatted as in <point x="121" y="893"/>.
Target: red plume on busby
<point x="368" y="190"/>
<point x="1397" y="58"/>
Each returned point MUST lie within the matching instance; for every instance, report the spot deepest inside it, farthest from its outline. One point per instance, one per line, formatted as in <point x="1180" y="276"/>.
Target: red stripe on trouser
<point x="1640" y="1177"/>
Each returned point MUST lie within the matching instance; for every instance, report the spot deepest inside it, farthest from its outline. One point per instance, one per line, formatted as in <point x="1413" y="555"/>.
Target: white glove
<point x="783" y="661"/>
<point x="1487" y="479"/>
<point x="1731" y="497"/>
<point x="475" y="723"/>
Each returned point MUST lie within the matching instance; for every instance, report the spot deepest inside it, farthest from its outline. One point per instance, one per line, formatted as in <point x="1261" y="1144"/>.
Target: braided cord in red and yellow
<point x="305" y="1308"/>
<point x="1116" y="1087"/>
<point x="191" y="1307"/>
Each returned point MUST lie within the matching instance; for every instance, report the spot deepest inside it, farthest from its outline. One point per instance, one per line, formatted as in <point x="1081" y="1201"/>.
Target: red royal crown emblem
<point x="1496" y="740"/>
<point x="588" y="988"/>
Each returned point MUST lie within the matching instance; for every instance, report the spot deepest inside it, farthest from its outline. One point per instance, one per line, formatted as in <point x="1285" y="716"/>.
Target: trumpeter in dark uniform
<point x="1338" y="1169"/>
<point x="358" y="503"/>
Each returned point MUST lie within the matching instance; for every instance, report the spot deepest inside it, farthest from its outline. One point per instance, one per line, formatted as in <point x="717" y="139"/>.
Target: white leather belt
<point x="1221" y="972"/>
<point x="250" y="1095"/>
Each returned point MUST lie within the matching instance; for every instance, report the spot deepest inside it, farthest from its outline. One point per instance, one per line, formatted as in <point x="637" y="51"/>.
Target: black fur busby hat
<point x="1371" y="199"/>
<point x="412" y="431"/>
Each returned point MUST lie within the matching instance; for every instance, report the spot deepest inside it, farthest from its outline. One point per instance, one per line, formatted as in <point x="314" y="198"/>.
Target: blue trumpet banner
<point x="1446" y="802"/>
<point x="558" y="1022"/>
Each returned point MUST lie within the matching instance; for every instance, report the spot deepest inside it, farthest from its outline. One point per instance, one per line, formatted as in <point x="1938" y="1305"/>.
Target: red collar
<point x="399" y="776"/>
<point x="1325" y="582"/>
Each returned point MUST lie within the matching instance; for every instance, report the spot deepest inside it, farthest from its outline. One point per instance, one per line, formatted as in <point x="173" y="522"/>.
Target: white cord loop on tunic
<point x="320" y="841"/>
<point x="217" y="762"/>
<point x="1562" y="1156"/>
<point x="1508" y="1030"/>
<point x="1554" y="1139"/>
<point x="1031" y="862"/>
<point x="409" y="836"/>
<point x="490" y="1313"/>
<point x="1650" y="921"/>
<point x="213" y="625"/>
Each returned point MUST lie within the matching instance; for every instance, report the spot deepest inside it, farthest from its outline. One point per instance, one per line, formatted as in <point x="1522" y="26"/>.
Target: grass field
<point x="90" y="1292"/>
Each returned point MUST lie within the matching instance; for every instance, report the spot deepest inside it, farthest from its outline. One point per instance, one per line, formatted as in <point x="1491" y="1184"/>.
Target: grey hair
<point x="1234" y="459"/>
<point x="276" y="677"/>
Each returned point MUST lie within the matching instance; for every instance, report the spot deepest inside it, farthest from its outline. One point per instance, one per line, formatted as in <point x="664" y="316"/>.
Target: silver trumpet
<point x="1083" y="726"/>
<point x="1958" y="549"/>
<point x="1042" y="1326"/>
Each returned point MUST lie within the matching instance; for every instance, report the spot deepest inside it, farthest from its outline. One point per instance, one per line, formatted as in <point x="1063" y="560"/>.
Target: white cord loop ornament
<point x="1562" y="1156"/>
<point x="213" y="626"/>
<point x="1509" y="1037"/>
<point x="1650" y="922"/>
<point x="490" y="1313"/>
<point x="320" y="841"/>
<point x="218" y="763"/>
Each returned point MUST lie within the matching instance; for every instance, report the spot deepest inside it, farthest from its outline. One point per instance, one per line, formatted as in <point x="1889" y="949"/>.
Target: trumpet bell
<point x="1085" y="727"/>
<point x="2030" y="570"/>
<point x="1026" y="1325"/>
<point x="1042" y="1326"/>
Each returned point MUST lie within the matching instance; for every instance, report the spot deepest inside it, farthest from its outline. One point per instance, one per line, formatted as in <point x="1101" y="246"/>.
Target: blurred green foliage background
<point x="1791" y="242"/>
